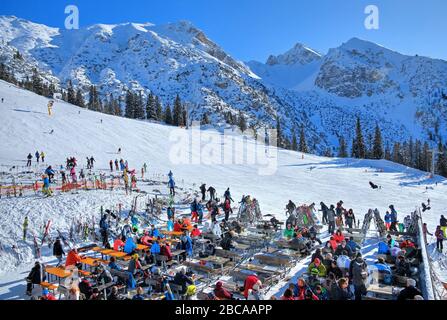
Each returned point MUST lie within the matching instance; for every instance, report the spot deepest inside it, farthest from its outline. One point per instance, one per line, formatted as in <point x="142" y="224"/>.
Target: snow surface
<point x="25" y="127"/>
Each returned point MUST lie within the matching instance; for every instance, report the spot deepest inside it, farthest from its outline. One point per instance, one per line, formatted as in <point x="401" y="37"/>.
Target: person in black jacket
<point x="36" y="276"/>
<point x="409" y="292"/>
<point x="227" y="241"/>
<point x="203" y="191"/>
<point x="58" y="251"/>
<point x="341" y="291"/>
<point x="183" y="280"/>
<point x="212" y="192"/>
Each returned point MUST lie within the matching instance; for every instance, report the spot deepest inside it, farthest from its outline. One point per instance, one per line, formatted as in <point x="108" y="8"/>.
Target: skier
<point x="46" y="186"/>
<point x="387" y="220"/>
<point x="116" y="165"/>
<point x="3" y="100"/>
<point x="73" y="175"/>
<point x="145" y="167"/>
<point x="50" y="172"/>
<point x="88" y="163"/>
<point x="25" y="228"/>
<point x="119" y="150"/>
<point x="111" y="165"/>
<point x="359" y="276"/>
<point x="227" y="208"/>
<point x="37" y="154"/>
<point x="104" y="231"/>
<point x="227" y="195"/>
<point x="28" y="163"/>
<point x="42" y="156"/>
<point x="203" y="191"/>
<point x="290" y="208"/>
<point x="212" y="192"/>
<point x="439" y="234"/>
<point x="350" y="218"/>
<point x="393" y="217"/>
<point x="443" y="224"/>
<point x="324" y="209"/>
<point x="331" y="219"/>
<point x="50" y="107"/>
<point x="58" y="251"/>
<point x="126" y="181"/>
<point x="92" y="161"/>
<point x="426" y="232"/>
<point x="171" y="184"/>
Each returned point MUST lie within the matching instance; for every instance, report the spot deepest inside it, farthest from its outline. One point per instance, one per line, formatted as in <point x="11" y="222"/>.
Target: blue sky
<point x="254" y="29"/>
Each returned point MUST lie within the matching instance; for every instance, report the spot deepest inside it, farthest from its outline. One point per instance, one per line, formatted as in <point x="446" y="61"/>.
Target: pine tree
<point x="158" y="109"/>
<point x="377" y="152"/>
<point x="130" y="105"/>
<point x="294" y="141"/>
<point x="151" y="112"/>
<point x="177" y="112"/>
<point x="79" y="100"/>
<point x="387" y="152"/>
<point x="397" y="156"/>
<point x="242" y="122"/>
<point x="342" y="148"/>
<point x="279" y="138"/>
<point x="185" y="117"/>
<point x="168" y="115"/>
<point x="37" y="85"/>
<point x="205" y="119"/>
<point x="93" y="101"/>
<point x="303" y="145"/>
<point x="71" y="96"/>
<point x="426" y="157"/>
<point x="138" y="106"/>
<point x="441" y="163"/>
<point x="358" y="148"/>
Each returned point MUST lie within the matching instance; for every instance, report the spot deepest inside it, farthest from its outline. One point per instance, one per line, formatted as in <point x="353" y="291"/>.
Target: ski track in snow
<point x="312" y="179"/>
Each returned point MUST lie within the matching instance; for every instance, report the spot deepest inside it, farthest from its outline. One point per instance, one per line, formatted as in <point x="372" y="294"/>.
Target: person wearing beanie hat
<point x="316" y="264"/>
<point x="222" y="293"/>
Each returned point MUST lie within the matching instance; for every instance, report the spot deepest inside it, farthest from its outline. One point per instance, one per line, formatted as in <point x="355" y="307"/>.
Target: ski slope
<point x="25" y="127"/>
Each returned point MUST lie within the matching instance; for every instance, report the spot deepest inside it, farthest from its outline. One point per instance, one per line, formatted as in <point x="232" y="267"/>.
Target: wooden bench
<point x="124" y="276"/>
<point x="228" y="254"/>
<point x="273" y="259"/>
<point x="49" y="286"/>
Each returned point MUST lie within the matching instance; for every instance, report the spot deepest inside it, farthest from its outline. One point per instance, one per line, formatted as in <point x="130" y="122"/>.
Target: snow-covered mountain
<point x="325" y="93"/>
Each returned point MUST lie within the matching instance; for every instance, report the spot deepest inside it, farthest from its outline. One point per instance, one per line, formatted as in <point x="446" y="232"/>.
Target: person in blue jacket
<point x="170" y="213"/>
<point x="187" y="244"/>
<point x="353" y="245"/>
<point x="387" y="220"/>
<point x="130" y="246"/>
<point x="383" y="248"/>
<point x="113" y="265"/>
<point x="170" y="224"/>
<point x="382" y="267"/>
<point x="50" y="172"/>
<point x="394" y="220"/>
<point x="200" y="212"/>
<point x="155" y="248"/>
<point x="171" y="184"/>
<point x="155" y="233"/>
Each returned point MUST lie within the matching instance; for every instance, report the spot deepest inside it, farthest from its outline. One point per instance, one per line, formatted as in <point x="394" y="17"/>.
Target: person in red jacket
<point x="333" y="243"/>
<point x="339" y="237"/>
<point x="406" y="244"/>
<point x="196" y="232"/>
<point x="146" y="239"/>
<point x="178" y="226"/>
<point x="249" y="282"/>
<point x="73" y="259"/>
<point x="222" y="293"/>
<point x="118" y="244"/>
<point x="165" y="250"/>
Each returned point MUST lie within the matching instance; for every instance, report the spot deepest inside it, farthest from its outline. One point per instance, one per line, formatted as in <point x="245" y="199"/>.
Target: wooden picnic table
<point x="381" y="290"/>
<point x="142" y="247"/>
<point x="91" y="262"/>
<point x="59" y="273"/>
<point x="177" y="253"/>
<point x="217" y="261"/>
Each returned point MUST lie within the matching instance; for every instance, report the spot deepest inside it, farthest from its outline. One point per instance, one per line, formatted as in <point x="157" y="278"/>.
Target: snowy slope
<point x="325" y="93"/>
<point x="25" y="126"/>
